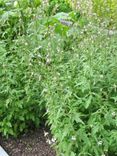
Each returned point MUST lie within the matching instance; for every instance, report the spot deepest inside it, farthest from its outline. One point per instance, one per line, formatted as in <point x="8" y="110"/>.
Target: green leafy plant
<point x="21" y="71"/>
<point x="15" y="16"/>
<point x="21" y="104"/>
<point x="56" y="62"/>
<point x="58" y="6"/>
<point x="81" y="94"/>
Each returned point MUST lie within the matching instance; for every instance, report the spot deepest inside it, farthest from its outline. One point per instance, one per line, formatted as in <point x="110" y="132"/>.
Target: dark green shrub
<point x="82" y="95"/>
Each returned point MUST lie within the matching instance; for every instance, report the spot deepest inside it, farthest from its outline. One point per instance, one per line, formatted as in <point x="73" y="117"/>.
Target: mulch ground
<point x="33" y="143"/>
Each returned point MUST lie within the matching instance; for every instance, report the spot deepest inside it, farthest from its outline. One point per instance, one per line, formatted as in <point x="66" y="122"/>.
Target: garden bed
<point x="33" y="143"/>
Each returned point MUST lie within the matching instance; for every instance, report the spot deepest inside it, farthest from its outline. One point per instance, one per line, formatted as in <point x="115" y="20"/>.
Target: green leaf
<point x="88" y="101"/>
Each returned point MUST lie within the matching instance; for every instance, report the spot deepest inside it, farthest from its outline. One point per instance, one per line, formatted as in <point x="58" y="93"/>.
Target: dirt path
<point x="31" y="144"/>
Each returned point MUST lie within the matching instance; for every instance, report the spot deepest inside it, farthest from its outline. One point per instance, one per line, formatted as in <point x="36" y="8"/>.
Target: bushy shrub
<point x="21" y="68"/>
<point x="82" y="95"/>
<point x="21" y="75"/>
<point x="24" y="59"/>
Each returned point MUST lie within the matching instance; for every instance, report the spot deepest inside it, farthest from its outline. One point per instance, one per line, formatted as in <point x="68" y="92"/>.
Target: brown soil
<point x="32" y="143"/>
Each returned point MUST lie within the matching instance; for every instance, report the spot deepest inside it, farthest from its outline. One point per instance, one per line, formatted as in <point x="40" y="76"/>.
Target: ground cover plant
<point x="60" y="64"/>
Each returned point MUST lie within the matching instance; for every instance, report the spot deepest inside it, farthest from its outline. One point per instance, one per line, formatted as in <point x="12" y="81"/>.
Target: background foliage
<point x="105" y="10"/>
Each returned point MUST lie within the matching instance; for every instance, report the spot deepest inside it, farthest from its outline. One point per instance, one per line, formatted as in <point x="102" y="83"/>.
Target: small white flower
<point x="48" y="141"/>
<point x="101" y="76"/>
<point x="26" y="43"/>
<point x="73" y="138"/>
<point x="55" y="78"/>
<point x="47" y="110"/>
<point x="39" y="55"/>
<point x="45" y="133"/>
<point x="91" y="125"/>
<point x="30" y="64"/>
<point x="39" y="47"/>
<point x="115" y="87"/>
<point x="32" y="74"/>
<point x="53" y="140"/>
<point x="113" y="114"/>
<point x="44" y="90"/>
<point x="100" y="143"/>
<point x="58" y="74"/>
<point x="15" y="3"/>
<point x="48" y="61"/>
